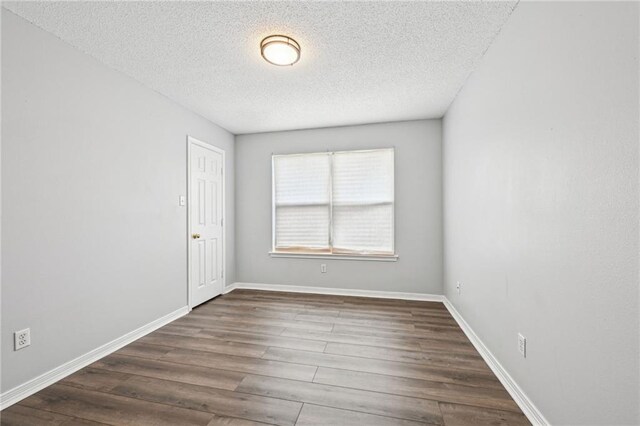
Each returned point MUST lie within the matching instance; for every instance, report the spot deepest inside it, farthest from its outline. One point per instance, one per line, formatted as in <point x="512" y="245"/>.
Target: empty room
<point x="318" y="213"/>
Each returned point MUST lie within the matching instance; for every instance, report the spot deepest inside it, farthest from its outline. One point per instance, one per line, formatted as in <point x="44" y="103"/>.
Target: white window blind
<point x="335" y="202"/>
<point x="302" y="201"/>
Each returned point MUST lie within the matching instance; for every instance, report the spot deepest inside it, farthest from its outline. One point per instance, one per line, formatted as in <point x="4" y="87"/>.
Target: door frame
<point x="190" y="142"/>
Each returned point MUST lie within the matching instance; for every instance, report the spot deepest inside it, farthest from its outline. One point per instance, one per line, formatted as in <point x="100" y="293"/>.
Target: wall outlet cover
<point x="522" y="345"/>
<point x="21" y="339"/>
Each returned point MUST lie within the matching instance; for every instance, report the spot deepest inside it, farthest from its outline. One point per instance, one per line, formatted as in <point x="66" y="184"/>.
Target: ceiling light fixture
<point x="280" y="50"/>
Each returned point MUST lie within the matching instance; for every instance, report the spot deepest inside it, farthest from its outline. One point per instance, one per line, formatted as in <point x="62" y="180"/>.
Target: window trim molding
<point x="375" y="257"/>
<point x="336" y="256"/>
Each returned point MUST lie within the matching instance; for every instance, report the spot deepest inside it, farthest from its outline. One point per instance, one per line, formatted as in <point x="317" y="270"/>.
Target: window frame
<point x="310" y="254"/>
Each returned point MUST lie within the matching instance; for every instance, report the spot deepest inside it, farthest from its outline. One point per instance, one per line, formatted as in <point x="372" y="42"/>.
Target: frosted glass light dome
<point x="280" y="50"/>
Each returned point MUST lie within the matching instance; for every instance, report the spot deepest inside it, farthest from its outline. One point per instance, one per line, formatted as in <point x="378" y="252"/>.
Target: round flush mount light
<point x="280" y="50"/>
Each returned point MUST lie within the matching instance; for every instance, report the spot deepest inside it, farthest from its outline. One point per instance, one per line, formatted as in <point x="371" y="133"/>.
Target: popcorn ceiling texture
<point x="361" y="62"/>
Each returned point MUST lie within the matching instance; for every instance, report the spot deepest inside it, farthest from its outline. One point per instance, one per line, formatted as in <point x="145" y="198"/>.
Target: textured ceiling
<point x="361" y="62"/>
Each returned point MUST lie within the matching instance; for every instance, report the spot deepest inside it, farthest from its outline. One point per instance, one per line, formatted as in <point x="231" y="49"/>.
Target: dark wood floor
<point x="253" y="357"/>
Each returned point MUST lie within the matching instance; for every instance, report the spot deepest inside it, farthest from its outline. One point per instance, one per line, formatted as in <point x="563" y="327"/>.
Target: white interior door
<point x="206" y="223"/>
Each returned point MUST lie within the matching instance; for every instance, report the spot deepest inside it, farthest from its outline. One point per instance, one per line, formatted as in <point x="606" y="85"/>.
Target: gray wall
<point x="541" y="206"/>
<point x="418" y="208"/>
<point x="94" y="242"/>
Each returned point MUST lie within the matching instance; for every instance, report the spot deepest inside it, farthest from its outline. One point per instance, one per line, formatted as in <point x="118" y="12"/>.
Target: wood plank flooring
<point x="253" y="358"/>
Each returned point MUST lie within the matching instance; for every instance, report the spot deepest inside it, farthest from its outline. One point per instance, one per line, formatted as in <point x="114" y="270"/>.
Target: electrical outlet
<point x="22" y="339"/>
<point x="522" y="345"/>
<point x="458" y="287"/>
<point x="323" y="268"/>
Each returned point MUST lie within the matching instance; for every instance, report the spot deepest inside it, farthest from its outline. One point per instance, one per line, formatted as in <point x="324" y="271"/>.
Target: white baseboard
<point x="336" y="291"/>
<point x="526" y="405"/>
<point x="24" y="390"/>
<point x="229" y="288"/>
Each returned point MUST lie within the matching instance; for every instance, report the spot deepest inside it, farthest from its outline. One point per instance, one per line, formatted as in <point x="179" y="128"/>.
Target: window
<point x="334" y="203"/>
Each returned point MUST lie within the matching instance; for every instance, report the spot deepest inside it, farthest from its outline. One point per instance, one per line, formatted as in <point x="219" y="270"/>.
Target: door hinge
<point x="221" y="222"/>
<point x="222" y="274"/>
<point x="221" y="171"/>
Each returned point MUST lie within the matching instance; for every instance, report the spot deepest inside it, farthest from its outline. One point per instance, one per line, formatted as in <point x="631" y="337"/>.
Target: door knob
<point x="195" y="236"/>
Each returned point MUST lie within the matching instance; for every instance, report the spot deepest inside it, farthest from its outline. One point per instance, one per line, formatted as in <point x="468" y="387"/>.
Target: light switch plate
<point x="183" y="200"/>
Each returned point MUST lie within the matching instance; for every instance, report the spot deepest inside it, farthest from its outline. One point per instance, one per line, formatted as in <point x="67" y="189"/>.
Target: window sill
<point x="369" y="257"/>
